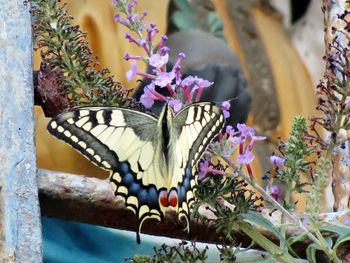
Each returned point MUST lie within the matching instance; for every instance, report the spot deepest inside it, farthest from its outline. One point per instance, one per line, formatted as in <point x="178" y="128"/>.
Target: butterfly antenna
<point x="232" y="99"/>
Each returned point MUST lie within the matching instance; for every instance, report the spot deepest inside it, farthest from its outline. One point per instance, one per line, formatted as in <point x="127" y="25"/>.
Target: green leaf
<point x="311" y="252"/>
<point x="329" y="242"/>
<point x="336" y="227"/>
<point x="260" y="220"/>
<point x="183" y="6"/>
<point x="299" y="238"/>
<point x="313" y="247"/>
<point x="214" y="22"/>
<point x="341" y="240"/>
<point x="183" y="18"/>
<point x="184" y="21"/>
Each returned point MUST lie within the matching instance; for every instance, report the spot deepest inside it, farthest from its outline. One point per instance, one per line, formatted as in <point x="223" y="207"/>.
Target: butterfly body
<point x="151" y="161"/>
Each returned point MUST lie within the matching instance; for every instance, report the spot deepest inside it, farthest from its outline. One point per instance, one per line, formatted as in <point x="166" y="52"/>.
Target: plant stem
<point x="266" y="244"/>
<point x="283" y="227"/>
<point x="273" y="202"/>
<point x="328" y="251"/>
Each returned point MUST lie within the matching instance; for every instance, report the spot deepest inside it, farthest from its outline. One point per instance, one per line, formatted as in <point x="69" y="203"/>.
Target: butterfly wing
<point x="195" y="126"/>
<point x="124" y="142"/>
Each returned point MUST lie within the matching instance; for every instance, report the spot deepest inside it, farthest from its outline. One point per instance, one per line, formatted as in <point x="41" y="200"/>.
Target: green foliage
<point x="320" y="180"/>
<point x="64" y="48"/>
<point x="295" y="152"/>
<point x="183" y="252"/>
<point x="259" y="220"/>
<point x="215" y="25"/>
<point x="227" y="253"/>
<point x="227" y="197"/>
<point x="184" y="19"/>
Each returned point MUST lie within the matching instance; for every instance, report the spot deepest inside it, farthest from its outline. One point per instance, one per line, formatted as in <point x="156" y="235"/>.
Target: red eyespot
<point x="163" y="198"/>
<point x="172" y="198"/>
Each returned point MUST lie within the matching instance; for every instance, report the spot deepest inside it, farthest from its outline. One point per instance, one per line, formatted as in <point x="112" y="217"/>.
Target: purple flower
<point x="245" y="158"/>
<point x="200" y="84"/>
<point x="132" y="5"/>
<point x="129" y="37"/>
<point x="203" y="83"/>
<point x="275" y="191"/>
<point x="229" y="130"/>
<point x="203" y="169"/>
<point x="246" y="133"/>
<point x="131" y="73"/>
<point x="177" y="70"/>
<point x="188" y="81"/>
<point x="121" y="20"/>
<point x="245" y="130"/>
<point x="276" y="160"/>
<point x="175" y="104"/>
<point x="158" y="61"/>
<point x="239" y="139"/>
<point x="225" y="107"/>
<point x="179" y="60"/>
<point x="254" y="139"/>
<point x="164" y="78"/>
<point x="149" y="96"/>
<point x="128" y="57"/>
<point x="164" y="50"/>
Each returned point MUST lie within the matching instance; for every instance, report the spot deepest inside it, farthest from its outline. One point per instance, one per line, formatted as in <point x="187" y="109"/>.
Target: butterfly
<point x="152" y="161"/>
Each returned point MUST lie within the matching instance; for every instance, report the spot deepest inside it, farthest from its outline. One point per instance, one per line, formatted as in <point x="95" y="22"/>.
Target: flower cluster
<point x="243" y="138"/>
<point x="182" y="91"/>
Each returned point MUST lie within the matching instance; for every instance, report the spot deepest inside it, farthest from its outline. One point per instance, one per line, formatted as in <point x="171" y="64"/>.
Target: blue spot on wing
<point x="134" y="189"/>
<point x="185" y="185"/>
<point x="146" y="194"/>
<point x="128" y="179"/>
<point x="124" y="167"/>
<point x="153" y="197"/>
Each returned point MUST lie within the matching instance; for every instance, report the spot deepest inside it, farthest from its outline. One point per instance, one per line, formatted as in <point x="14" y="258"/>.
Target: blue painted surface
<point x="66" y="242"/>
<point x="70" y="242"/>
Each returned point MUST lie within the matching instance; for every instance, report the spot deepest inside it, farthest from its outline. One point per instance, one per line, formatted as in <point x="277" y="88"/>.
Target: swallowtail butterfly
<point x="151" y="161"/>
